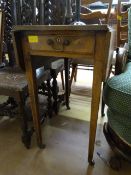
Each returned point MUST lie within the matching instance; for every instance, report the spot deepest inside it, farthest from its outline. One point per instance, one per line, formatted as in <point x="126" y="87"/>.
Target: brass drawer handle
<point x="55" y="44"/>
<point x="59" y="44"/>
<point x="66" y="42"/>
<point x="50" y="42"/>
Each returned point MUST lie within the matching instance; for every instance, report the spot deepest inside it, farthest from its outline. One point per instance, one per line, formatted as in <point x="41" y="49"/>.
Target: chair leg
<point x="55" y="90"/>
<point x="74" y="66"/>
<point x="8" y="107"/>
<point x="75" y="76"/>
<point x="67" y="85"/>
<point x="26" y="132"/>
<point x="49" y="99"/>
<point x="62" y="79"/>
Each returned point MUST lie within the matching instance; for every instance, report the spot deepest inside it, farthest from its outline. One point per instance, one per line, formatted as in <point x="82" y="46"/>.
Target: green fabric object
<point x="120" y="124"/>
<point x="129" y="30"/>
<point x="117" y="92"/>
<point x="117" y="96"/>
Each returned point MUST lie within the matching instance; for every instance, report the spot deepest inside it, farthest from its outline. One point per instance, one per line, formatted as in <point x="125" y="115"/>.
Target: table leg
<point x="67" y="90"/>
<point x="96" y="91"/>
<point x="33" y="91"/>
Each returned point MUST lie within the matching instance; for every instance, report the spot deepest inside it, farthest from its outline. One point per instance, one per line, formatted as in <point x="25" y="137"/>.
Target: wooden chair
<point x="117" y="91"/>
<point x="119" y="59"/>
<point x="13" y="83"/>
<point x="34" y="13"/>
<point x="122" y="25"/>
<point x="121" y="35"/>
<point x="101" y="18"/>
<point x="97" y="14"/>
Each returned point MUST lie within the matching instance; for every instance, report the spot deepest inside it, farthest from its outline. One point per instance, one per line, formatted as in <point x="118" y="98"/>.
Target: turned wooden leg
<point x="49" y="99"/>
<point x="55" y="90"/>
<point x="75" y="76"/>
<point x="62" y="79"/>
<point x="66" y="63"/>
<point x="26" y="132"/>
<point x="74" y="67"/>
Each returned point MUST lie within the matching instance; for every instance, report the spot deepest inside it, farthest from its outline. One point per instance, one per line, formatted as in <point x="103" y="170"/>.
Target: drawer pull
<point x="66" y="42"/>
<point x="50" y="42"/>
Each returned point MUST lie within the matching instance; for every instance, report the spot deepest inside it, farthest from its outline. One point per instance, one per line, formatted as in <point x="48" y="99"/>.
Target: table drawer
<point x="68" y="44"/>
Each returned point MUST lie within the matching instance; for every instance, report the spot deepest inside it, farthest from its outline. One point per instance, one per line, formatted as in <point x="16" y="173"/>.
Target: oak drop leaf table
<point x="89" y="42"/>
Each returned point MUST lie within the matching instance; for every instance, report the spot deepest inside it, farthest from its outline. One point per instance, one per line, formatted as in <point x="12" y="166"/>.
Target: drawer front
<point x="68" y="44"/>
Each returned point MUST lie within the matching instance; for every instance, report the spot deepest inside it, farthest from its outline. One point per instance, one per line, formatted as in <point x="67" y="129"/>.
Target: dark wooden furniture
<point x="32" y="13"/>
<point x="13" y="83"/>
<point x="1" y="35"/>
<point x="91" y="41"/>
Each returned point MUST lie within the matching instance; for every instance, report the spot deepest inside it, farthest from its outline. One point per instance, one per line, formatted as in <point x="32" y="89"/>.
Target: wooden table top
<point x="95" y="27"/>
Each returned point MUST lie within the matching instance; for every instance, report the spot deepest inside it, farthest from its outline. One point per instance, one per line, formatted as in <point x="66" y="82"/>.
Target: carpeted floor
<point x="66" y="139"/>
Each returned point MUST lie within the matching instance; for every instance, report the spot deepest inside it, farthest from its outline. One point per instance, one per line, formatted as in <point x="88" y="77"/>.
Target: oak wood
<point x="33" y="89"/>
<point x="100" y="36"/>
<point x="57" y="28"/>
<point x="60" y="30"/>
<point x="96" y="91"/>
<point x="74" y="43"/>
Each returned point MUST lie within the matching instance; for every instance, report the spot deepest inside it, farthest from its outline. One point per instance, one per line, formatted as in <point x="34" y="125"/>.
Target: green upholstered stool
<point x="117" y="96"/>
<point x="118" y="91"/>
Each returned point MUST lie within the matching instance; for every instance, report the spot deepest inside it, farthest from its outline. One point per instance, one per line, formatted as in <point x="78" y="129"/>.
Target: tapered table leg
<point x="33" y="92"/>
<point x="96" y="93"/>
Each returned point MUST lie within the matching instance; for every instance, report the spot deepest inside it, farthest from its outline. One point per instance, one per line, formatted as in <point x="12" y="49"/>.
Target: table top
<point x="95" y="27"/>
<point x="86" y="32"/>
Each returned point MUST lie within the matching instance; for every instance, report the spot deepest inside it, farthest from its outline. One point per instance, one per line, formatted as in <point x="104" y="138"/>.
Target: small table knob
<point x="66" y="42"/>
<point x="50" y="42"/>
